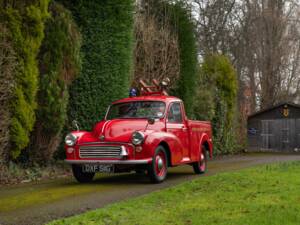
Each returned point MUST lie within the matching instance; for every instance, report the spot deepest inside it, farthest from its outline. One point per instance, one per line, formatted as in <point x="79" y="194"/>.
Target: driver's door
<point x="176" y="125"/>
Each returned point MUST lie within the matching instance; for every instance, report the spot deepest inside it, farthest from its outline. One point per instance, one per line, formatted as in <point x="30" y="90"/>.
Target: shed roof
<point x="274" y="107"/>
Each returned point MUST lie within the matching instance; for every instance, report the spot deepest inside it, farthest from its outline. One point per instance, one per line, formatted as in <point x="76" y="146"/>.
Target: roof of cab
<point x="163" y="98"/>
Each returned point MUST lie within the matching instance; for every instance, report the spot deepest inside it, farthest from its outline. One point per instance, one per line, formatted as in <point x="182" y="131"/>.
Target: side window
<point x="174" y="114"/>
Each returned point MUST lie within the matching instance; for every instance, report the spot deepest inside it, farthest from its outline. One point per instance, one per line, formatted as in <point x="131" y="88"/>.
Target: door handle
<point x="183" y="128"/>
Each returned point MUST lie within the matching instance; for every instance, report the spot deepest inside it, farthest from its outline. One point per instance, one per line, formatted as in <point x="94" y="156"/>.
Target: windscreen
<point x="137" y="109"/>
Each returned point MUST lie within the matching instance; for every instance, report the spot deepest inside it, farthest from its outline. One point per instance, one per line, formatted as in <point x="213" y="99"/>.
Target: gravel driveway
<point x="107" y="189"/>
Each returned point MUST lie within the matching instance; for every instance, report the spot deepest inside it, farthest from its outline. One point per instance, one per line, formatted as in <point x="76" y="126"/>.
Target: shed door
<point x="286" y="134"/>
<point x="267" y="134"/>
<point x="298" y="134"/>
<point x="280" y="134"/>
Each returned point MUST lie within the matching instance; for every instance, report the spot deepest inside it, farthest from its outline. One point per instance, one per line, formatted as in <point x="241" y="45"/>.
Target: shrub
<point x="25" y="22"/>
<point x="59" y="63"/>
<point x="216" y="96"/>
<point x="107" y="31"/>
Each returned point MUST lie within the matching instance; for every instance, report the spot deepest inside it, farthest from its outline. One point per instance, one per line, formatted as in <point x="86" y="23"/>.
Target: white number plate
<point x="93" y="168"/>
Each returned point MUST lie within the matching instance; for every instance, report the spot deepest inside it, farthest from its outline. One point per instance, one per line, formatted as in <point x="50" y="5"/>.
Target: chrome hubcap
<point x="160" y="163"/>
<point x="202" y="157"/>
<point x="202" y="162"/>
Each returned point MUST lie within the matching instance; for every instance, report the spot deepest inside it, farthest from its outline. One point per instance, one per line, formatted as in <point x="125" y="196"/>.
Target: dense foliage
<point x="216" y="100"/>
<point x="7" y="81"/>
<point x="186" y="85"/>
<point x="25" y="22"/>
<point x="107" y="30"/>
<point x="59" y="63"/>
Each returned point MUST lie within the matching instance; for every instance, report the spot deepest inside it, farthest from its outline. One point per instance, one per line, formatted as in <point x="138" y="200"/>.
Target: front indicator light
<point x="138" y="148"/>
<point x="70" y="150"/>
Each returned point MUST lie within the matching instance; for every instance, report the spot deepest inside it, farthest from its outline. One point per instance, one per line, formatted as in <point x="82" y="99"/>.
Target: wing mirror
<point x="151" y="120"/>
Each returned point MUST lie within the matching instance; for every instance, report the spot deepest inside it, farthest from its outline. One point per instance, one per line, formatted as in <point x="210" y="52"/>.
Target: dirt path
<point x="43" y="202"/>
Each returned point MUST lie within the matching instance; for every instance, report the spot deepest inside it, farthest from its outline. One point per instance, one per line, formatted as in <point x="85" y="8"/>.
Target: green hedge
<point x="59" y="63"/>
<point x="107" y="30"/>
<point x="25" y="21"/>
<point x="186" y="85"/>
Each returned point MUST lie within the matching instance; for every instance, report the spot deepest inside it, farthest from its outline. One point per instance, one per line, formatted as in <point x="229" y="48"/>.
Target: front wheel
<point x="200" y="167"/>
<point x="81" y="176"/>
<point x="158" y="169"/>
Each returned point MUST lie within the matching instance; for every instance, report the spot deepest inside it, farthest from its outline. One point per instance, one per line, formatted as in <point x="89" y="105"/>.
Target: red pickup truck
<point x="143" y="134"/>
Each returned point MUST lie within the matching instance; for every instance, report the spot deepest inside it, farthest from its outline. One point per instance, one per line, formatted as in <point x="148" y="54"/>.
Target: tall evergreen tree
<point x="25" y="21"/>
<point x="186" y="85"/>
<point x="59" y="64"/>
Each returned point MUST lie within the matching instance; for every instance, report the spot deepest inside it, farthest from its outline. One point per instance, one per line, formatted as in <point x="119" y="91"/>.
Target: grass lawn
<point x="268" y="194"/>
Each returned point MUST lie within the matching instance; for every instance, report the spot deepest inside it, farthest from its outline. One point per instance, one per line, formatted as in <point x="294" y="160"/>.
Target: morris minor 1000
<point x="147" y="133"/>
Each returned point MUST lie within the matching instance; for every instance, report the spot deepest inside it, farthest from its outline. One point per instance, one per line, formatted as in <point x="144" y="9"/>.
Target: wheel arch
<point x="206" y="142"/>
<point x="206" y="146"/>
<point x="166" y="140"/>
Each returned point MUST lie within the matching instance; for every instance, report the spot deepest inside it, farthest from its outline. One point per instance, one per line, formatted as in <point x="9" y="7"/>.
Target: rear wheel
<point x="158" y="169"/>
<point x="200" y="167"/>
<point x="80" y="176"/>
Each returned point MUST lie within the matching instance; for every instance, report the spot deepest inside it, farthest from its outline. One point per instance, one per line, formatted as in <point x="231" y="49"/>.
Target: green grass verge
<point x="268" y="194"/>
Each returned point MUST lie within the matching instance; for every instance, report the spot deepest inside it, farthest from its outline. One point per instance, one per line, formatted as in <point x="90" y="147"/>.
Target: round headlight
<point x="137" y="138"/>
<point x="70" y="140"/>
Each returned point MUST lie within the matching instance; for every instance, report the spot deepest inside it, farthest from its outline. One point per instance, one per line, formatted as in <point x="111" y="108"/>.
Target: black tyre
<point x="81" y="176"/>
<point x="200" y="167"/>
<point x="158" y="169"/>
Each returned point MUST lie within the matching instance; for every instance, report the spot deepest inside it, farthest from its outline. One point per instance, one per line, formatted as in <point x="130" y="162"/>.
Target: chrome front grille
<point x="100" y="151"/>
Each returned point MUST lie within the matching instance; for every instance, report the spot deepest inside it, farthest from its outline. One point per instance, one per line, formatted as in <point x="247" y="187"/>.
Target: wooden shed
<point x="275" y="129"/>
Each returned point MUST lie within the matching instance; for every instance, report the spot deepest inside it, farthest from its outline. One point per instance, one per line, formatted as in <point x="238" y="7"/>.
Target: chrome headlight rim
<point x="137" y="138"/>
<point x="70" y="139"/>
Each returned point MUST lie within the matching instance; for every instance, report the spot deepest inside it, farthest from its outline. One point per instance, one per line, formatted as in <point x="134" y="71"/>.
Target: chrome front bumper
<point x="116" y="162"/>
